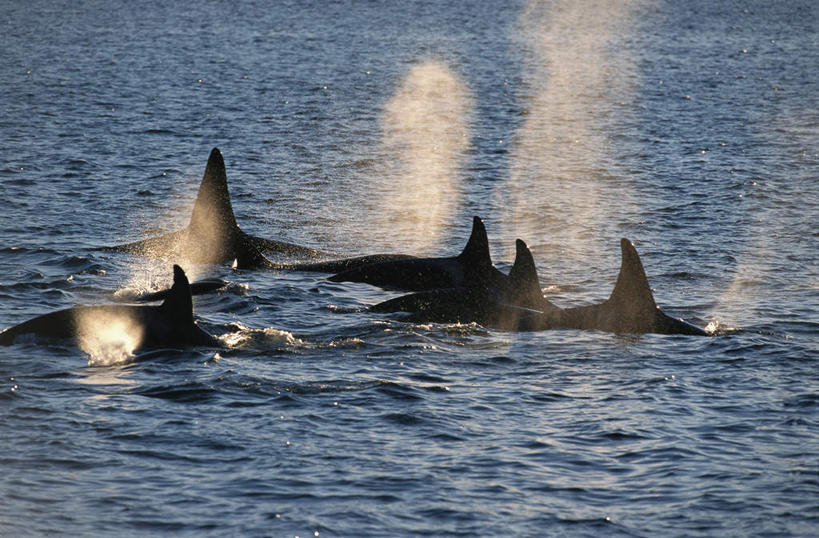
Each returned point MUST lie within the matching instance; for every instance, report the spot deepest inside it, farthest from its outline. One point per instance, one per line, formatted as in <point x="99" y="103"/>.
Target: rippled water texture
<point x="690" y="128"/>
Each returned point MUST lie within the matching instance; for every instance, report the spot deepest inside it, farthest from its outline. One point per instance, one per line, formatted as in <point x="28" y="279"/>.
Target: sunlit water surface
<point x="360" y="127"/>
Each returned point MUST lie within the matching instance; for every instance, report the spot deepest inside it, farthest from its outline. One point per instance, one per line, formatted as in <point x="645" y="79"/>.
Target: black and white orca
<point x="169" y="325"/>
<point x="213" y="236"/>
<point x="418" y="274"/>
<point x="517" y="302"/>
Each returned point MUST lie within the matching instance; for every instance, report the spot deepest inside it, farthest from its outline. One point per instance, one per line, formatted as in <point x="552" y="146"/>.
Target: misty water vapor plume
<point x="564" y="184"/>
<point x="107" y="337"/>
<point x="425" y="126"/>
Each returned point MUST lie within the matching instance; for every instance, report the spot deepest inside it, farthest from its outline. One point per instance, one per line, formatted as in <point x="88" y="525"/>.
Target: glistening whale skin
<point x="169" y="325"/>
<point x="337" y="266"/>
<point x="416" y="274"/>
<point x="213" y="236"/>
<point x="518" y="304"/>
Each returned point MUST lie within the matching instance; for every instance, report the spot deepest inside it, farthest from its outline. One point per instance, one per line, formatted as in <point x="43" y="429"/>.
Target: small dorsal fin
<point x="476" y="251"/>
<point x="524" y="280"/>
<point x="179" y="302"/>
<point x="523" y="274"/>
<point x="632" y="295"/>
<point x="212" y="211"/>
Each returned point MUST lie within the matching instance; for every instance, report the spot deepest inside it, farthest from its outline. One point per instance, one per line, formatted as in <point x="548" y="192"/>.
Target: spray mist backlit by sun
<point x="564" y="180"/>
<point x="108" y="337"/>
<point x="425" y="127"/>
<point x="174" y="243"/>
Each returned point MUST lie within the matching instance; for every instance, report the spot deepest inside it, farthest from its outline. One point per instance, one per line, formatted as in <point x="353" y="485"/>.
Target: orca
<point x="213" y="236"/>
<point x="337" y="266"/>
<point x="631" y="307"/>
<point x="419" y="274"/>
<point x="200" y="287"/>
<point x="517" y="304"/>
<point x="169" y="325"/>
<point x="502" y="302"/>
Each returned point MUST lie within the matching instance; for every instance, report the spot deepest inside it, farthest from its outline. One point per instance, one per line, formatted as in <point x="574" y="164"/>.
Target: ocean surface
<point x="690" y="128"/>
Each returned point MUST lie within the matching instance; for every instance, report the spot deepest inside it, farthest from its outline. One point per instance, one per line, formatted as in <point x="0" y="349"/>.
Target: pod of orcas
<point x="466" y="288"/>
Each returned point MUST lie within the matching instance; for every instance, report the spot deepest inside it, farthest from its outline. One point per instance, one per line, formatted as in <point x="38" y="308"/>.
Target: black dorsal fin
<point x="524" y="280"/>
<point x="523" y="275"/>
<point x="179" y="302"/>
<point x="212" y="212"/>
<point x="476" y="251"/>
<point x="632" y="295"/>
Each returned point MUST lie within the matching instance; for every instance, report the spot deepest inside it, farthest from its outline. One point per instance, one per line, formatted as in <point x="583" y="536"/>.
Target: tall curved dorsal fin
<point x="632" y="295"/>
<point x="179" y="302"/>
<point x="476" y="251"/>
<point x="212" y="211"/>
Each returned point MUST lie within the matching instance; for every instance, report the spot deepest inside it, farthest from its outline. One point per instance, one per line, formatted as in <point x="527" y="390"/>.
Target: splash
<point x="188" y="249"/>
<point x="107" y="335"/>
<point x="243" y="337"/>
<point x="564" y="182"/>
<point x="425" y="127"/>
<point x="148" y="275"/>
<point x="777" y="239"/>
<point x="169" y="237"/>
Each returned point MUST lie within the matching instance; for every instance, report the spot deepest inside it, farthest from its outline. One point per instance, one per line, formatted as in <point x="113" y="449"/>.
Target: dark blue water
<point x="692" y="128"/>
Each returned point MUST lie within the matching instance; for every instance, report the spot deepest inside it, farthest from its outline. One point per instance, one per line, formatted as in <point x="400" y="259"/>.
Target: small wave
<point x="399" y="391"/>
<point x="244" y="337"/>
<point x="550" y="397"/>
<point x="192" y="392"/>
<point x="20" y="182"/>
<point x="344" y="309"/>
<point x="26" y="250"/>
<point x="157" y="131"/>
<point x="716" y="328"/>
<point x="403" y="419"/>
<point x="805" y="400"/>
<point x="351" y="343"/>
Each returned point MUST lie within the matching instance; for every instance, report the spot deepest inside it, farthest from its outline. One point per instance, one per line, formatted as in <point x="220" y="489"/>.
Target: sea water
<point x="690" y="128"/>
